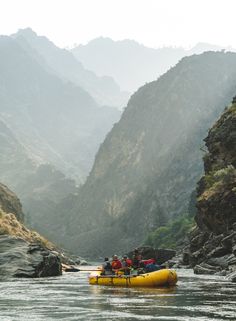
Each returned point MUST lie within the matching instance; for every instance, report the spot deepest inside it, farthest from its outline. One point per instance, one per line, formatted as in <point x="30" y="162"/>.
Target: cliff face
<point x="149" y="163"/>
<point x="217" y="197"/>
<point x="213" y="242"/>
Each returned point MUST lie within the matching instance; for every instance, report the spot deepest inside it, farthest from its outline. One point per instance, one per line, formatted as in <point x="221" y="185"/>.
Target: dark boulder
<point x="234" y="249"/>
<point x="219" y="252"/>
<point x="186" y="258"/>
<point x="19" y="258"/>
<point x="219" y="261"/>
<point x="231" y="260"/>
<point x="232" y="277"/>
<point x="228" y="240"/>
<point x="198" y="240"/>
<point x="205" y="268"/>
<point x="160" y="255"/>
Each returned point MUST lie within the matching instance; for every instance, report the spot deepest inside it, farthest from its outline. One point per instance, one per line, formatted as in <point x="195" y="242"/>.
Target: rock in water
<point x="18" y="258"/>
<point x="160" y="255"/>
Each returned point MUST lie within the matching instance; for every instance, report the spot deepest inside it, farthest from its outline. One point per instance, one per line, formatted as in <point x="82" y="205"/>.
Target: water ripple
<point x="71" y="298"/>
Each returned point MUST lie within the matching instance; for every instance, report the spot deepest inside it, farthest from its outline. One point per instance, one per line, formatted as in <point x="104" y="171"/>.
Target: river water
<point x="70" y="297"/>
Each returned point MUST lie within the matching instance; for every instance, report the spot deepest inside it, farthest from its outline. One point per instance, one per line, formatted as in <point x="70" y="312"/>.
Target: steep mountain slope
<point x="149" y="163"/>
<point x="40" y="187"/>
<point x="103" y="89"/>
<point x="49" y="130"/>
<point x="56" y="121"/>
<point x="213" y="242"/>
<point x="130" y="63"/>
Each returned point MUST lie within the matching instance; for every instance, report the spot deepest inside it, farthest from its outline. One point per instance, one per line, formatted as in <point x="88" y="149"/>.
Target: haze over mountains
<point x="130" y="63"/>
<point x="62" y="117"/>
<point x="148" y="165"/>
<point x="55" y="113"/>
<point x="103" y="89"/>
<point x="50" y="127"/>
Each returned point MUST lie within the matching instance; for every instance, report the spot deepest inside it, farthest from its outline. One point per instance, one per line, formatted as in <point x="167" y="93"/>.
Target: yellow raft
<point x="159" y="278"/>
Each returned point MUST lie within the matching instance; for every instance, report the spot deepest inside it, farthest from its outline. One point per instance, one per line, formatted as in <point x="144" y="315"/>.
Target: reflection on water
<point x="70" y="297"/>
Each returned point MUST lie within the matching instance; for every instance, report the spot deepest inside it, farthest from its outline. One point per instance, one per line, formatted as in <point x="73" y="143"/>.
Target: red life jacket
<point x="149" y="261"/>
<point x="127" y="263"/>
<point x="116" y="264"/>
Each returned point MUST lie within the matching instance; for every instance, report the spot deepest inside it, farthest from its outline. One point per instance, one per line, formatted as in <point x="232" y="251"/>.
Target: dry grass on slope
<point x="11" y="226"/>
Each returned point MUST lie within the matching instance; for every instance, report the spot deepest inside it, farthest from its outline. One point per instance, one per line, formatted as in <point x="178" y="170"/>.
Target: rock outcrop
<point x="213" y="242"/>
<point x="19" y="258"/>
<point x="23" y="253"/>
<point x="160" y="255"/>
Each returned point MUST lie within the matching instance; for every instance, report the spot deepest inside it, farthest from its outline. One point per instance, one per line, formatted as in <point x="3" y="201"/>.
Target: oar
<point x="79" y="270"/>
<point x="89" y="270"/>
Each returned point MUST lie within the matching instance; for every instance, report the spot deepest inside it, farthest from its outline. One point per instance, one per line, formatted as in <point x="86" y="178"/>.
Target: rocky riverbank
<point x="212" y="248"/>
<point x="23" y="253"/>
<point x="19" y="258"/>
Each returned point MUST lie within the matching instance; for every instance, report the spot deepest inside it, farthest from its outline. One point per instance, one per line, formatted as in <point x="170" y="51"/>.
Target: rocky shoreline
<point x="212" y="244"/>
<point x="23" y="253"/>
<point x="19" y="258"/>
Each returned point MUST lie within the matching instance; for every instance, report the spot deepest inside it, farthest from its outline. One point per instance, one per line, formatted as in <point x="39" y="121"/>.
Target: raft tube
<point x="165" y="277"/>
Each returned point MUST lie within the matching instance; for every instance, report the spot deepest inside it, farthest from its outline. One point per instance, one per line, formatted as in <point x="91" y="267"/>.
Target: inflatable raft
<point x="159" y="278"/>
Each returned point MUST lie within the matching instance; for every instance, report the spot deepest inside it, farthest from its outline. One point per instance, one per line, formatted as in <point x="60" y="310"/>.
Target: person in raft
<point x="106" y="267"/>
<point x="126" y="265"/>
<point x="137" y="258"/>
<point x="116" y="264"/>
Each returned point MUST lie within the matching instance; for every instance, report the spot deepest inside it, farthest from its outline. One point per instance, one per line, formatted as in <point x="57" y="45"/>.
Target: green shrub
<point x="222" y="175"/>
<point x="171" y="235"/>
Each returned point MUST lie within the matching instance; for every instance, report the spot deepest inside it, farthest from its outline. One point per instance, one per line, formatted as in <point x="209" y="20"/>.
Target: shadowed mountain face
<point x="149" y="163"/>
<point x="104" y="90"/>
<point x="130" y="63"/>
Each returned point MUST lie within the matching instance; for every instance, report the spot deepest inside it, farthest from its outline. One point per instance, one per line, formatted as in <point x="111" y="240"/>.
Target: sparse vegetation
<point x="171" y="235"/>
<point x="221" y="175"/>
<point x="11" y="226"/>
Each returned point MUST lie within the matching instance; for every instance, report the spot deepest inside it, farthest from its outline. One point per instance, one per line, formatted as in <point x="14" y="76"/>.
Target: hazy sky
<point x="151" y="22"/>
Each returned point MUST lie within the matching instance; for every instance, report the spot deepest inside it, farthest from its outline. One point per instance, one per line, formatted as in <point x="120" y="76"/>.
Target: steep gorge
<point x="148" y="165"/>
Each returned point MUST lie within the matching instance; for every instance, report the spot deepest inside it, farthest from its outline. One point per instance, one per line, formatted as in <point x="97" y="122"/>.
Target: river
<point x="70" y="297"/>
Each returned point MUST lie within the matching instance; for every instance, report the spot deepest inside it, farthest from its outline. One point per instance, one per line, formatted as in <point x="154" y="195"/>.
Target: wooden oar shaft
<point x="89" y="270"/>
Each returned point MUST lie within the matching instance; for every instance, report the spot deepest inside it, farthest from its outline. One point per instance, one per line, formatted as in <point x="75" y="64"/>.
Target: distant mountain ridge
<point x="55" y="120"/>
<point x="148" y="165"/>
<point x="103" y="89"/>
<point x="130" y="63"/>
<point x="50" y="129"/>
